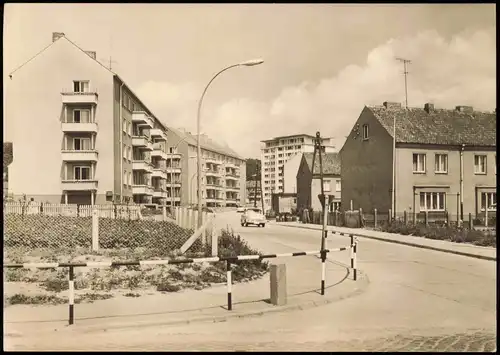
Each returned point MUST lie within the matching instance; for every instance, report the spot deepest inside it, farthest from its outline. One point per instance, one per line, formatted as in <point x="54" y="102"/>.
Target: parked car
<point x="240" y="209"/>
<point x="253" y="217"/>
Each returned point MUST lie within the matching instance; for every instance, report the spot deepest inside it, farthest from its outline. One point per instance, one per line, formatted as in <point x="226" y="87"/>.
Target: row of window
<point x="436" y="201"/>
<point x="441" y="163"/>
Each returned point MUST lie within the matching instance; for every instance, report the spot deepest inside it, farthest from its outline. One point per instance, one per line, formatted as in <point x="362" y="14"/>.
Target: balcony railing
<point x="211" y="172"/>
<point x="159" y="193"/>
<point x="159" y="152"/>
<point x="142" y="142"/>
<point x="142" y="165"/>
<point x="88" y="127"/>
<point x="142" y="190"/>
<point x="69" y="97"/>
<point x="159" y="173"/>
<point x="158" y="133"/>
<point x="142" y="119"/>
<point x="79" y="185"/>
<point x="232" y="176"/>
<point x="79" y="155"/>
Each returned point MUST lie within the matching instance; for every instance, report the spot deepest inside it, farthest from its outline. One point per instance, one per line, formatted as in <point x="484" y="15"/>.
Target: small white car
<point x="240" y="209"/>
<point x="253" y="217"/>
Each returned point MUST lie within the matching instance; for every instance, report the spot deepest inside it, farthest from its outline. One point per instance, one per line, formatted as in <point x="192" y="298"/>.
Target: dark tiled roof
<point x="331" y="163"/>
<point x="448" y="127"/>
<point x="7" y="154"/>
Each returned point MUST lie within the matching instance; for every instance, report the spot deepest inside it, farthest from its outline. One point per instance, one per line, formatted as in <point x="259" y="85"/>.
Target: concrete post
<point x="278" y="284"/>
<point x="351" y="206"/>
<point x="164" y="212"/>
<point x="360" y="217"/>
<point x="204" y="232"/>
<point x="389" y="217"/>
<point x="426" y="218"/>
<point x="215" y="240"/>
<point x="486" y="216"/>
<point x="375" y="217"/>
<point x="405" y="217"/>
<point x="95" y="229"/>
<point x="471" y="227"/>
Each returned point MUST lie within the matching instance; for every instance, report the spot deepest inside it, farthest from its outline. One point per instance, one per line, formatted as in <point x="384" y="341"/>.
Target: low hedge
<point x="442" y="232"/>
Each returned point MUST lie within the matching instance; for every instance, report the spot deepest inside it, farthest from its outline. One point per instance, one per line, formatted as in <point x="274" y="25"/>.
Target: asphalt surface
<point x="417" y="300"/>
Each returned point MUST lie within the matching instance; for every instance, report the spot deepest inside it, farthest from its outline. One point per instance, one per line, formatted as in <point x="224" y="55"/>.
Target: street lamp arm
<point x="210" y="82"/>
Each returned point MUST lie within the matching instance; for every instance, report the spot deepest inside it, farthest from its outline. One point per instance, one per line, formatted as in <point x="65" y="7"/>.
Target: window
<point x="80" y="86"/>
<point x="489" y="199"/>
<point x="129" y="179"/>
<point x="326" y="185"/>
<point x="441" y="164"/>
<point x="432" y="201"/>
<point x="479" y="164"/>
<point x="82" y="172"/>
<point x="419" y="163"/>
<point x="129" y="153"/>
<point x="81" y="116"/>
<point x="125" y="128"/>
<point x="335" y="206"/>
<point x="365" y="132"/>
<point x="81" y="143"/>
<point x="337" y="186"/>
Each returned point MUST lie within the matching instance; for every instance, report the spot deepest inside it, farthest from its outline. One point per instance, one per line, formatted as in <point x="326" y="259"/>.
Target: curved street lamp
<point x="248" y="63"/>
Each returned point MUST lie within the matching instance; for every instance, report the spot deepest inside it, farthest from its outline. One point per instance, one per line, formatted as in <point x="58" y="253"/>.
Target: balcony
<point x="231" y="165"/>
<point x="158" y="152"/>
<point x="142" y="142"/>
<point x="159" y="173"/>
<point x="174" y="169"/>
<point x="79" y="185"/>
<point x="214" y="186"/>
<point x="142" y="119"/>
<point x="69" y="98"/>
<point x="79" y="127"/>
<point x="232" y="176"/>
<point x="158" y="133"/>
<point x="142" y="165"/>
<point x="175" y="183"/>
<point x="174" y="156"/>
<point x="79" y="155"/>
<point x="213" y="161"/>
<point x="142" y="190"/>
<point x="212" y="173"/>
<point x="234" y="188"/>
<point x="158" y="193"/>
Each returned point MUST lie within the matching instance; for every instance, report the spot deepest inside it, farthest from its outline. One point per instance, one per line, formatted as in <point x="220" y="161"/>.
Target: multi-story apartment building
<point x="444" y="159"/>
<point x="276" y="152"/>
<point x="253" y="192"/>
<point x="223" y="171"/>
<point x="93" y="140"/>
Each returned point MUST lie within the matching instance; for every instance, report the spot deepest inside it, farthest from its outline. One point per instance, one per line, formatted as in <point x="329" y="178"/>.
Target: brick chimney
<point x="428" y="107"/>
<point x="56" y="36"/>
<point x="92" y="54"/>
<point x="388" y="104"/>
<point x="465" y="109"/>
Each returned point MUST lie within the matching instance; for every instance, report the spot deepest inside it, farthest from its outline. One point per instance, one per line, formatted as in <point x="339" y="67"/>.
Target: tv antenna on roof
<point x="110" y="59"/>
<point x="405" y="73"/>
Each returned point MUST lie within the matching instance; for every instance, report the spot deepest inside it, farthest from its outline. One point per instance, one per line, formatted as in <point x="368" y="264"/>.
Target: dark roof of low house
<point x="438" y="126"/>
<point x="330" y="161"/>
<point x="8" y="154"/>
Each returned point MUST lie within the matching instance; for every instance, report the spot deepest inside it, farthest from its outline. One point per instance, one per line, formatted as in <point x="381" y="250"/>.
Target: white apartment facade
<point x="81" y="135"/>
<point x="223" y="171"/>
<point x="276" y="152"/>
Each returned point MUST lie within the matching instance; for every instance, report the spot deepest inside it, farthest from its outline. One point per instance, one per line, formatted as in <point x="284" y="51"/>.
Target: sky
<point x="322" y="62"/>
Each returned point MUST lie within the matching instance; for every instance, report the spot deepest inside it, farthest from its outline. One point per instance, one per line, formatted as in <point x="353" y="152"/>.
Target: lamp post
<point x="249" y="63"/>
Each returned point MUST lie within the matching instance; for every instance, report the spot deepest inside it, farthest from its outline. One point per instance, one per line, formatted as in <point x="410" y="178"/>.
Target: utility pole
<point x="393" y="190"/>
<point x="405" y="73"/>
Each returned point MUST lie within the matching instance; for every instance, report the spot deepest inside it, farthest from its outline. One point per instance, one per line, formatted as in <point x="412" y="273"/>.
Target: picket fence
<point x="70" y="210"/>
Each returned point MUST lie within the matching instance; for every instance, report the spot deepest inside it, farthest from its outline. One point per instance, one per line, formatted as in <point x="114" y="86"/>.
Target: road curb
<point x="483" y="257"/>
<point x="361" y="285"/>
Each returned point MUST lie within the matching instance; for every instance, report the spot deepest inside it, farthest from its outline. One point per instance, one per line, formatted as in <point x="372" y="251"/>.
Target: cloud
<point x="447" y="72"/>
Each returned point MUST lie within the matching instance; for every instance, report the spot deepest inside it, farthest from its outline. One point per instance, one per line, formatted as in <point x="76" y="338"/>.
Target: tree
<point x="253" y="167"/>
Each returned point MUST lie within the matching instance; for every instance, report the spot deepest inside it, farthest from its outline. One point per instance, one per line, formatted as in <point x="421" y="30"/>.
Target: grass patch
<point x="131" y="294"/>
<point x="19" y="298"/>
<point x="443" y="232"/>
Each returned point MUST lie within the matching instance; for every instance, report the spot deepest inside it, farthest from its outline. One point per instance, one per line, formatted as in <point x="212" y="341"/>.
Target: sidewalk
<point x="249" y="299"/>
<point x="486" y="253"/>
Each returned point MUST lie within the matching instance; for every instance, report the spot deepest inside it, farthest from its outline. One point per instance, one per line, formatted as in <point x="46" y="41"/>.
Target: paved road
<point x="418" y="300"/>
